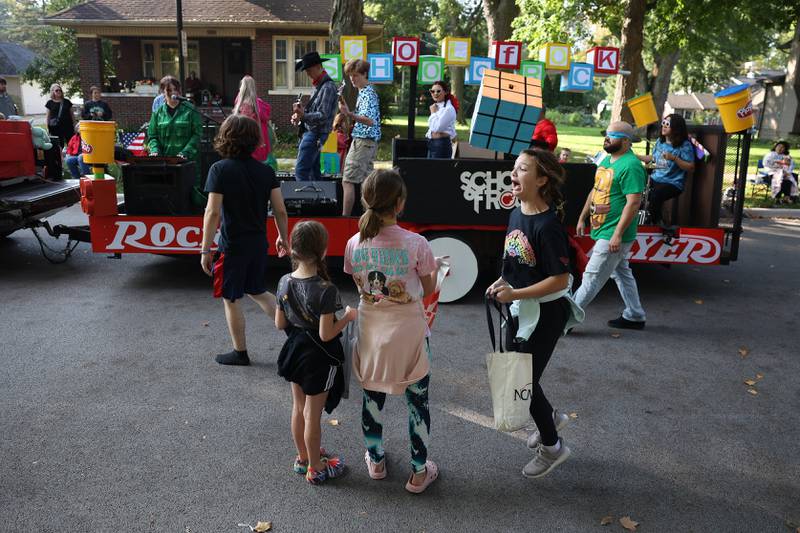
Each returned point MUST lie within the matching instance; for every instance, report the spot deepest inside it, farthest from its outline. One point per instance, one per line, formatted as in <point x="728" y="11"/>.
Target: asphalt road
<point x="116" y="418"/>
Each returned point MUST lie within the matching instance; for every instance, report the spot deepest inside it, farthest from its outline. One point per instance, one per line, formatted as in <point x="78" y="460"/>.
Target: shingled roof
<point x="14" y="59"/>
<point x="255" y="12"/>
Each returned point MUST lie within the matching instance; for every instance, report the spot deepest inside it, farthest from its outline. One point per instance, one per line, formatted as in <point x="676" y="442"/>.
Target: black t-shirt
<point x="96" y="110"/>
<point x="245" y="186"/>
<point x="304" y="301"/>
<point x="65" y="108"/>
<point x="536" y="248"/>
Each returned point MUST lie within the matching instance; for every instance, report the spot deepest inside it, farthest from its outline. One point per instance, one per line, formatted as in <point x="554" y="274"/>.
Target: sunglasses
<point x="665" y="123"/>
<point x="435" y="91"/>
<point x="617" y="135"/>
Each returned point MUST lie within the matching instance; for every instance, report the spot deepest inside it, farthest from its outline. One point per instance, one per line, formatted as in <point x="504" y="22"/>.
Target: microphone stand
<point x="207" y="120"/>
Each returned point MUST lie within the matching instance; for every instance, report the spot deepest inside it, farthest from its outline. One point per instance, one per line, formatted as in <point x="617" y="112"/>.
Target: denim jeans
<point x="76" y="166"/>
<point x="440" y="148"/>
<point x="308" y="153"/>
<point x="604" y="264"/>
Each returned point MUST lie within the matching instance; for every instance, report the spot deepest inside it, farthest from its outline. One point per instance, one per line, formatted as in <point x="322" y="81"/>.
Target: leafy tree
<point x="56" y="48"/>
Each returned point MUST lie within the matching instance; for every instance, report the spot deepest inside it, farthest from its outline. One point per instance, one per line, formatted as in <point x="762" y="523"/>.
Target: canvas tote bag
<point x="510" y="372"/>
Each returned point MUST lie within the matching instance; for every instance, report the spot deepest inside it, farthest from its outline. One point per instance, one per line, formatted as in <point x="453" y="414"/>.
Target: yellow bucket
<point x="643" y="110"/>
<point x="97" y="143"/>
<point x="735" y="108"/>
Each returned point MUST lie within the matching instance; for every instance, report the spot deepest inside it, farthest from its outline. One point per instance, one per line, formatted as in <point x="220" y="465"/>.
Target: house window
<point x="287" y="50"/>
<point x="160" y="58"/>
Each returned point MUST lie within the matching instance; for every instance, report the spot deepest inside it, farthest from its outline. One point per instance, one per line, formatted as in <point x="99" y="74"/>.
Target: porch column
<point x="262" y="62"/>
<point x="90" y="63"/>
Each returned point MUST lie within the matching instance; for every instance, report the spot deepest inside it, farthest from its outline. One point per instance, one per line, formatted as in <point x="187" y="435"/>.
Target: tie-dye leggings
<point x="419" y="423"/>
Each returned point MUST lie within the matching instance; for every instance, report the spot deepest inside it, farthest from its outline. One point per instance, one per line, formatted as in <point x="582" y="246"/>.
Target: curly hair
<point x="238" y="137"/>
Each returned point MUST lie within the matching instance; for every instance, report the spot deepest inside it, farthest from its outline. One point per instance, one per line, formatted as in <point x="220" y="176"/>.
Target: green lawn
<point x="582" y="141"/>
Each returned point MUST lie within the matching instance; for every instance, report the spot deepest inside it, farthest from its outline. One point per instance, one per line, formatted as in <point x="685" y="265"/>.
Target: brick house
<point x="225" y="40"/>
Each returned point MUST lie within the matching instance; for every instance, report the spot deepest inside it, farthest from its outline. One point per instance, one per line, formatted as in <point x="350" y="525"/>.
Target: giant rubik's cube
<point x="506" y="112"/>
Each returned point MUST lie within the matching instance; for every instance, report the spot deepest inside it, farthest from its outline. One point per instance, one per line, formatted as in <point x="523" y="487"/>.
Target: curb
<point x="768" y="212"/>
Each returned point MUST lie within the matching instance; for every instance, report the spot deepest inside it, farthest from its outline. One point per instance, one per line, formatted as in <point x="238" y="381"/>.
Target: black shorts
<point x="237" y="275"/>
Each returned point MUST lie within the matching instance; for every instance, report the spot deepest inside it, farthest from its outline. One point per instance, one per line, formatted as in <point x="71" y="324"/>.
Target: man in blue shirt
<point x="316" y="116"/>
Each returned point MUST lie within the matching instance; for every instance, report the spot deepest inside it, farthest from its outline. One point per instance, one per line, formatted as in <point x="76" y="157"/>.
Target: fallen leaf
<point x="759" y="376"/>
<point x="628" y="524"/>
<point x="205" y="324"/>
<point x="752" y="391"/>
<point x="333" y="422"/>
<point x="606" y="520"/>
<point x="573" y="415"/>
<point x="749" y="382"/>
<point x="616" y="335"/>
<point x="744" y="352"/>
<point x="726" y="281"/>
<point x="699" y="302"/>
<point x="262" y="526"/>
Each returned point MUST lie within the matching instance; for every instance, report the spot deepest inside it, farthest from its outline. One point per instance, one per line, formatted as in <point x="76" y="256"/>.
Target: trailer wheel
<point x="463" y="269"/>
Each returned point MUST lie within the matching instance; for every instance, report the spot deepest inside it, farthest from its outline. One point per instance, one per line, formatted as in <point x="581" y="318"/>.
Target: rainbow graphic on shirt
<point x="517" y="245"/>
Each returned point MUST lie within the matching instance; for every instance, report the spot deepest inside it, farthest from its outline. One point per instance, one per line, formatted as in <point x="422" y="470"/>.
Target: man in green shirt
<point x="612" y="207"/>
<point x="175" y="130"/>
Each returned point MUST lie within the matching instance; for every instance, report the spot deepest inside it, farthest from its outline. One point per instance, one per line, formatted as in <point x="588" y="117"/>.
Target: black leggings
<point x="660" y="193"/>
<point x="543" y="341"/>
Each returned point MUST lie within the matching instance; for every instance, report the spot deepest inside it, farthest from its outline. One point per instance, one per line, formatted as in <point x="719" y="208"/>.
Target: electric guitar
<point x="301" y="129"/>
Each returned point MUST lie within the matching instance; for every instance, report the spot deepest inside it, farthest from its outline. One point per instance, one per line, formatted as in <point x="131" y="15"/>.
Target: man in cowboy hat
<point x="612" y="208"/>
<point x="316" y="116"/>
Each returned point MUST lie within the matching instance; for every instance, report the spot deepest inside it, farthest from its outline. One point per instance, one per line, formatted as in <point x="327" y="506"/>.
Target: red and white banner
<point x="691" y="246"/>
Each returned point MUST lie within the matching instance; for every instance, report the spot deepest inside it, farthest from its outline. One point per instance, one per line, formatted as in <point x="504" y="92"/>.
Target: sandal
<point x="333" y="467"/>
<point x="372" y="467"/>
<point x="301" y="467"/>
<point x="431" y="473"/>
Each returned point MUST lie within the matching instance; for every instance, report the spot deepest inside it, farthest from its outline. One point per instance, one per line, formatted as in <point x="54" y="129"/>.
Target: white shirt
<point x="444" y="120"/>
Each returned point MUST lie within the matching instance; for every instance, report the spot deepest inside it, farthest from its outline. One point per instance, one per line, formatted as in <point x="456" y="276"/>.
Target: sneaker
<point x="233" y="358"/>
<point x="544" y="462"/>
<point x="621" y="323"/>
<point x="333" y="467"/>
<point x="301" y="467"/>
<point x="559" y="419"/>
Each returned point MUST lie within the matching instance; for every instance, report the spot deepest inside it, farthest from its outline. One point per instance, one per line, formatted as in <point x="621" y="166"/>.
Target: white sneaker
<point x="559" y="419"/>
<point x="544" y="462"/>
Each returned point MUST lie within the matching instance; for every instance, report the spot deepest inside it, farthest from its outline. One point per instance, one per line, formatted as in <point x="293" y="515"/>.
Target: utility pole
<point x="182" y="45"/>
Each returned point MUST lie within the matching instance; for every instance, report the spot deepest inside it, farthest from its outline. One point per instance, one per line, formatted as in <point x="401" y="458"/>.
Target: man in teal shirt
<point x="612" y="207"/>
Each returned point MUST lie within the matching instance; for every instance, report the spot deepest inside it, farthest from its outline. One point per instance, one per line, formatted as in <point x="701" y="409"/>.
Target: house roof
<point x="14" y="59"/>
<point x="247" y="12"/>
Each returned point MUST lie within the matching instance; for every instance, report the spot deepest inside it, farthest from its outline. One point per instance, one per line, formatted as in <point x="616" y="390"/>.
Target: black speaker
<point x="310" y="198"/>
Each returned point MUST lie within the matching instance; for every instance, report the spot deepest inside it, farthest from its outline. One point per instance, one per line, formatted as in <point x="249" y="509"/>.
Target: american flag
<point x="134" y="142"/>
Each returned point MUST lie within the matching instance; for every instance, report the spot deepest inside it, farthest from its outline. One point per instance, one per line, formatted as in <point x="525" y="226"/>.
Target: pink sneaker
<point x="372" y="467"/>
<point x="431" y="473"/>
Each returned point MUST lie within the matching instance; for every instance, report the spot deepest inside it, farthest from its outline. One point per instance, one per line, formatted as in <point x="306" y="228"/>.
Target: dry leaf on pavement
<point x="628" y="524"/>
<point x="616" y="335"/>
<point x="752" y="391"/>
<point x="262" y="526"/>
<point x="573" y="415"/>
<point x="743" y="352"/>
<point x="205" y="324"/>
<point x="749" y="382"/>
<point x="333" y="422"/>
<point x="699" y="302"/>
<point x="606" y="520"/>
<point x="759" y="376"/>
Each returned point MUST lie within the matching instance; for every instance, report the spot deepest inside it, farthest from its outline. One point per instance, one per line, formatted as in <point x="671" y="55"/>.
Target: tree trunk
<point x="457" y="86"/>
<point x="347" y="18"/>
<point x="662" y="75"/>
<point x="793" y="80"/>
<point x="631" y="53"/>
<point x="499" y="15"/>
